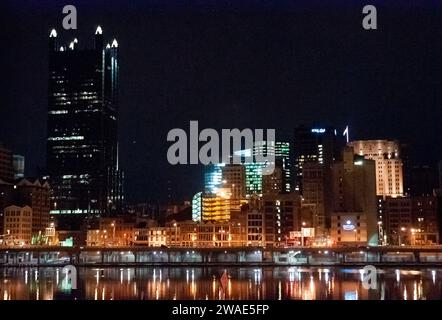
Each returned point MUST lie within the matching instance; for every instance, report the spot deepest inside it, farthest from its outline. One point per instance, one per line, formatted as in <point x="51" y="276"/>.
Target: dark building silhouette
<point x="6" y="167"/>
<point x="315" y="145"/>
<point x="18" y="163"/>
<point x="82" y="143"/>
<point x="423" y="180"/>
<point x="439" y="166"/>
<point x="318" y="147"/>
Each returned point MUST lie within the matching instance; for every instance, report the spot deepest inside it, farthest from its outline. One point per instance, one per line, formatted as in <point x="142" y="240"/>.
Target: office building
<point x="213" y="178"/>
<point x="349" y="227"/>
<point x="397" y="220"/>
<point x="219" y="207"/>
<point x="36" y="195"/>
<point x="234" y="180"/>
<point x="82" y="142"/>
<point x="389" y="171"/>
<point x="313" y="194"/>
<point x="17" y="225"/>
<point x="319" y="145"/>
<point x="28" y="192"/>
<point x="254" y="170"/>
<point x="272" y="183"/>
<point x="18" y="163"/>
<point x="354" y="195"/>
<point x="281" y="216"/>
<point x="6" y="166"/>
<point x="425" y="220"/>
<point x="255" y="228"/>
<point x="254" y="178"/>
<point x="280" y="150"/>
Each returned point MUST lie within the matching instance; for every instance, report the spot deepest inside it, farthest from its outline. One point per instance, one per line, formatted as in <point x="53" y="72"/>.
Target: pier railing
<point x="146" y="256"/>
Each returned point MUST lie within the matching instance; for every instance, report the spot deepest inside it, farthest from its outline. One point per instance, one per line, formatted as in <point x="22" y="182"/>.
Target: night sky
<point x="249" y="65"/>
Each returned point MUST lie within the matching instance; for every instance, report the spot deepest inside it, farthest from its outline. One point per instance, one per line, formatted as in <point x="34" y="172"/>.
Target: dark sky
<point x="250" y="65"/>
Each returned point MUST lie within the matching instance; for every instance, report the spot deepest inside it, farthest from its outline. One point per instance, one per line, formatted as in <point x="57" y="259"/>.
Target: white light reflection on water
<point x="204" y="283"/>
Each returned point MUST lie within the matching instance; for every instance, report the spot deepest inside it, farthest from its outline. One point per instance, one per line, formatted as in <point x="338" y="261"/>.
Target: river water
<point x="195" y="283"/>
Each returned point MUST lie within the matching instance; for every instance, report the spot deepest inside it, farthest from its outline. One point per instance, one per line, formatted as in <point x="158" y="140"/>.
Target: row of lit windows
<point x="16" y="226"/>
<point x="17" y="214"/>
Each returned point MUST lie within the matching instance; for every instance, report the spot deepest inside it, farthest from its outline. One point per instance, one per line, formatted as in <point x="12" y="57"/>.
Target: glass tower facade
<point x="82" y="143"/>
<point x="281" y="152"/>
<point x="319" y="145"/>
<point x="197" y="207"/>
<point x="213" y="178"/>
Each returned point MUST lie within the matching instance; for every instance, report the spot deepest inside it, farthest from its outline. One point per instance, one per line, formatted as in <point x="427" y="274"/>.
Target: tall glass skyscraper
<point x="319" y="145"/>
<point x="254" y="178"/>
<point x="213" y="178"/>
<point x="82" y="143"/>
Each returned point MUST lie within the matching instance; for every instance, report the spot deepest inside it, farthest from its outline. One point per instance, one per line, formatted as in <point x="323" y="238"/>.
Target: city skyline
<point x="239" y="70"/>
<point x="220" y="153"/>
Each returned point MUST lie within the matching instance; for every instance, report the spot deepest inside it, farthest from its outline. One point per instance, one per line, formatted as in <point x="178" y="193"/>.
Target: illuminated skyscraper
<point x="316" y="145"/>
<point x="213" y="178"/>
<point x="389" y="173"/>
<point x="234" y="180"/>
<point x="254" y="178"/>
<point x="82" y="145"/>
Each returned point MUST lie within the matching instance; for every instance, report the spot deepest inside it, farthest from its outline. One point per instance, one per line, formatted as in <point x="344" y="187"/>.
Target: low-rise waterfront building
<point x="18" y="225"/>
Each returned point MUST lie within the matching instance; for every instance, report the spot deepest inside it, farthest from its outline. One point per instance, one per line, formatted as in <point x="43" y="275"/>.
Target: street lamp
<point x="399" y="235"/>
<point x="113" y="232"/>
<point x="176" y="231"/>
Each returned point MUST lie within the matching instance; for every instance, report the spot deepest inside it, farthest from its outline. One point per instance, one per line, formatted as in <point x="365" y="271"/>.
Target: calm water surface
<point x="204" y="283"/>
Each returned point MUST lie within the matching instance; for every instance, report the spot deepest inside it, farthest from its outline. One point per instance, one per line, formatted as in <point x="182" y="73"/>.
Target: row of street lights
<point x="413" y="232"/>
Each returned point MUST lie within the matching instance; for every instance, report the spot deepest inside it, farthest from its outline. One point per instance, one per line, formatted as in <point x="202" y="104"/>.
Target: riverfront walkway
<point x="248" y="256"/>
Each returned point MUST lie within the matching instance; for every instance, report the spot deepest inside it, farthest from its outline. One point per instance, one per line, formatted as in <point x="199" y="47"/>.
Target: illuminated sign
<point x="295" y="234"/>
<point x="308" y="232"/>
<point x="318" y="130"/>
<point x="348" y="227"/>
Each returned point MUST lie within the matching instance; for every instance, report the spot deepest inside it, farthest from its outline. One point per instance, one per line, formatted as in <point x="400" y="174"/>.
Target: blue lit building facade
<point x="213" y="178"/>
